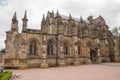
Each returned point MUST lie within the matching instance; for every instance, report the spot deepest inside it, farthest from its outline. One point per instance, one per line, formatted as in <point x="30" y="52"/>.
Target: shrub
<point x="6" y="75"/>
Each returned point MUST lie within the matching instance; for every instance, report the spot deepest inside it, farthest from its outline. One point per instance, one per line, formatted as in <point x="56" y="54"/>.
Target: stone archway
<point x="94" y="54"/>
<point x="66" y="47"/>
<point x="33" y="45"/>
<point x="51" y="47"/>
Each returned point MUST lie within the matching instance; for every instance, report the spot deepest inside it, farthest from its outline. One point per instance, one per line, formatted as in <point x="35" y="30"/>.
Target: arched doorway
<point x="111" y="56"/>
<point x="94" y="53"/>
<point x="93" y="56"/>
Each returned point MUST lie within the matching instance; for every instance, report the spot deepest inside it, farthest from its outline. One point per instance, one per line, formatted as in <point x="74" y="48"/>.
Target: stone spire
<point x="57" y="14"/>
<point x="70" y="17"/>
<point x="81" y="20"/>
<point x="24" y="21"/>
<point x="48" y="17"/>
<point x="14" y="16"/>
<point x="43" y="20"/>
<point x="52" y="13"/>
<point x="25" y="15"/>
<point x="14" y="25"/>
<point x="48" y="14"/>
<point x="14" y="19"/>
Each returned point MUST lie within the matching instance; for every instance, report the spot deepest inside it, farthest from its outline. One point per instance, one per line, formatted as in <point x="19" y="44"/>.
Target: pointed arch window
<point x="33" y="47"/>
<point x="65" y="49"/>
<point x="78" y="50"/>
<point x="50" y="48"/>
<point x="78" y="31"/>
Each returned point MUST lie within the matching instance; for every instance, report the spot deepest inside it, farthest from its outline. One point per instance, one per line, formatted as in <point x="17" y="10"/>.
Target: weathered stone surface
<point x="61" y="40"/>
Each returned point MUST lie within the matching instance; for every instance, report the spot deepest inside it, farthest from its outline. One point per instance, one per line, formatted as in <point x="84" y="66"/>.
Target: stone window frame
<point x="51" y="43"/>
<point x="33" y="47"/>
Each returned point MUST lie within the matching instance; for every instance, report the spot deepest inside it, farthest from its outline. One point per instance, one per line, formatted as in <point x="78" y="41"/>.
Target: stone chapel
<point x="61" y="41"/>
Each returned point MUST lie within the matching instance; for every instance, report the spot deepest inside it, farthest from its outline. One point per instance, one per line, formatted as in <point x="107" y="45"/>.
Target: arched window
<point x="33" y="47"/>
<point x="78" y="31"/>
<point x="66" y="29"/>
<point x="50" y="48"/>
<point x="65" y="47"/>
<point x="78" y="50"/>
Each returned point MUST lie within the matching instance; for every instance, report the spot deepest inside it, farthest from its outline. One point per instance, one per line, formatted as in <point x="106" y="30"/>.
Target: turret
<point x="59" y="23"/>
<point x="81" y="20"/>
<point x="52" y="13"/>
<point x="48" y="18"/>
<point x="70" y="25"/>
<point x="24" y="22"/>
<point x="58" y="18"/>
<point x="43" y="24"/>
<point x="70" y="17"/>
<point x="14" y="25"/>
<point x="71" y="20"/>
<point x="43" y="21"/>
<point x="74" y="29"/>
<point x="49" y="14"/>
<point x="58" y="15"/>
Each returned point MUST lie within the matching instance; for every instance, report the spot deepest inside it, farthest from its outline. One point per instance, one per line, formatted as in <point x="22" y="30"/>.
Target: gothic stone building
<point x="61" y="41"/>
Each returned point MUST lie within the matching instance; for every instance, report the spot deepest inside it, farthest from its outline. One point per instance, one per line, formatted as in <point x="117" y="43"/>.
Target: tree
<point x="2" y="51"/>
<point x="116" y="31"/>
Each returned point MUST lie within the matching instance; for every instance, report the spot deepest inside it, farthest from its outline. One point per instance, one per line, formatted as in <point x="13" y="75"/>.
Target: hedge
<point x="6" y="75"/>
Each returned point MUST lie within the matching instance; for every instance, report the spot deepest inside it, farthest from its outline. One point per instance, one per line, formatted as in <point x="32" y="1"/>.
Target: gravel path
<point x="106" y="71"/>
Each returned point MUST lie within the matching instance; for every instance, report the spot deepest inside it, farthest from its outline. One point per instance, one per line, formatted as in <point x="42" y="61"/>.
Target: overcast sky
<point x="109" y="9"/>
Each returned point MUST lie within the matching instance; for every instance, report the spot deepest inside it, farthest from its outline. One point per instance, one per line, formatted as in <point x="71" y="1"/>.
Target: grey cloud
<point x="109" y="9"/>
<point x="111" y="12"/>
<point x="3" y="3"/>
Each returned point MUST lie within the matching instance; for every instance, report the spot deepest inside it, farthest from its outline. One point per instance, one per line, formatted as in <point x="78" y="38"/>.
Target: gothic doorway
<point x="93" y="56"/>
<point x="111" y="55"/>
<point x="94" y="53"/>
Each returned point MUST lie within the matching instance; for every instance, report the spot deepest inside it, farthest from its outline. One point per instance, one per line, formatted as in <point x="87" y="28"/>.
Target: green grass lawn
<point x="5" y="75"/>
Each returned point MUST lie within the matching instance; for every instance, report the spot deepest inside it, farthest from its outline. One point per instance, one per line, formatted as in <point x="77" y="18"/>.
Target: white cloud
<point x="109" y="9"/>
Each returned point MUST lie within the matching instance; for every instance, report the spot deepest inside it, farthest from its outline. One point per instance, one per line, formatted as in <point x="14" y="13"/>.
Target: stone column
<point x="116" y="52"/>
<point x="116" y="57"/>
<point x="61" y="57"/>
<point x="76" y="58"/>
<point x="44" y="63"/>
<point x="88" y="61"/>
<point x="98" y="56"/>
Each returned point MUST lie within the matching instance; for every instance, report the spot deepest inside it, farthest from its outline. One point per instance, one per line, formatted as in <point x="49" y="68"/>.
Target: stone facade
<point x="1" y="62"/>
<point x="61" y="41"/>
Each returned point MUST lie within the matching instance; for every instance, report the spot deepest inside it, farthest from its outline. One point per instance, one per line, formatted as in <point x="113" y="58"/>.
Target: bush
<point x="2" y="51"/>
<point x="6" y="75"/>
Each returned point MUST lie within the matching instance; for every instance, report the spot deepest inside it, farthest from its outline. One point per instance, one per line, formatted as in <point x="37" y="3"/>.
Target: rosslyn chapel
<point x="61" y="41"/>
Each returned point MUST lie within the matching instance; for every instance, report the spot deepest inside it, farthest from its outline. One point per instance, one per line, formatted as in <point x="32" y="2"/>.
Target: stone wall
<point x="61" y="41"/>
